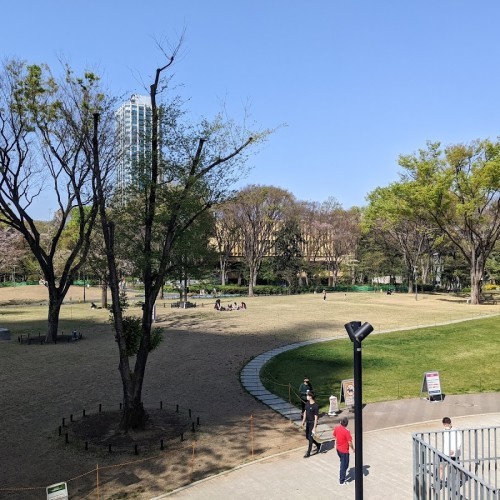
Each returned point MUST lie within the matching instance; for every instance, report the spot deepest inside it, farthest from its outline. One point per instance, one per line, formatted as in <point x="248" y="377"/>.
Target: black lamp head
<point x="358" y="331"/>
<point x="363" y="331"/>
<point x="352" y="328"/>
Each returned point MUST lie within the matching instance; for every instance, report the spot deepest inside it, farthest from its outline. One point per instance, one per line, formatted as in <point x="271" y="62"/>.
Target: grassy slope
<point x="465" y="354"/>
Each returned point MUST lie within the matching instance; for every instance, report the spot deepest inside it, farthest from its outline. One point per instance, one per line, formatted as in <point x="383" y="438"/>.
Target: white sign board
<point x="58" y="491"/>
<point x="334" y="406"/>
<point x="432" y="385"/>
<point x="347" y="392"/>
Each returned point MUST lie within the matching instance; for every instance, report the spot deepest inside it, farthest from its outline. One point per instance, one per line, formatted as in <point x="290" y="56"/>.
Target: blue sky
<point x="357" y="82"/>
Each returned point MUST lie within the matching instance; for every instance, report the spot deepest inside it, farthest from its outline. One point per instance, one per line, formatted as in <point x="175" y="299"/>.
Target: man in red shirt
<point x="343" y="441"/>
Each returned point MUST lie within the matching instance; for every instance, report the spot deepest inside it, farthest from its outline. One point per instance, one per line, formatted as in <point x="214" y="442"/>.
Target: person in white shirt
<point x="452" y="443"/>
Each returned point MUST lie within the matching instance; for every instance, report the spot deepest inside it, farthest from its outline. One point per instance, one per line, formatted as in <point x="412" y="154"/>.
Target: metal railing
<point x="473" y="475"/>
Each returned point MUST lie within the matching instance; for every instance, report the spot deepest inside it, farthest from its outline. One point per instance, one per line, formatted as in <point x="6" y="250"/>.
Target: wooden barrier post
<point x="97" y="481"/>
<point x="251" y="434"/>
<point x="192" y="461"/>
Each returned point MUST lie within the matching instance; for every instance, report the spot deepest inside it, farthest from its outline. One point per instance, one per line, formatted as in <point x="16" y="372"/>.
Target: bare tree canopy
<point x="45" y="144"/>
<point x="259" y="211"/>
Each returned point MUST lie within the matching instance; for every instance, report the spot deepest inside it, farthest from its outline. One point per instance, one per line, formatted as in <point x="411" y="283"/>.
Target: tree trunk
<point x="335" y="276"/>
<point x="411" y="282"/>
<point x="133" y="415"/>
<point x="185" y="288"/>
<point x="223" y="266"/>
<point x="104" y="295"/>
<point x="252" y="281"/>
<point x="476" y="276"/>
<point x="53" y="316"/>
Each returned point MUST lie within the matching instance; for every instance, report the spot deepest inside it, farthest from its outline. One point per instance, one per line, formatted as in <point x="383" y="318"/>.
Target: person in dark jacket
<point x="310" y="420"/>
<point x="304" y="388"/>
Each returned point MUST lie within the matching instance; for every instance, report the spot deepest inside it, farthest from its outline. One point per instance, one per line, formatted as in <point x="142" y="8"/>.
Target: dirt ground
<point x="193" y="377"/>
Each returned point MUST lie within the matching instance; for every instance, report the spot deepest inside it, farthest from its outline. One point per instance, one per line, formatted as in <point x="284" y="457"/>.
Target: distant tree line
<point x="263" y="235"/>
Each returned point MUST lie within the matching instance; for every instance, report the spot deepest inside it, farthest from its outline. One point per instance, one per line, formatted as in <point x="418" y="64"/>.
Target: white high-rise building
<point x="133" y="127"/>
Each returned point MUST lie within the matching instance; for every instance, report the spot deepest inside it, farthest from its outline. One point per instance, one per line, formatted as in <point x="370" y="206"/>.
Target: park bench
<point x="489" y="298"/>
<point x="183" y="305"/>
<point x="40" y="339"/>
<point x="31" y="339"/>
<point x="72" y="337"/>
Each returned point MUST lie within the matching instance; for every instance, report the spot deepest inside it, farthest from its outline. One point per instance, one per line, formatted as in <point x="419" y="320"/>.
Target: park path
<point x="387" y="456"/>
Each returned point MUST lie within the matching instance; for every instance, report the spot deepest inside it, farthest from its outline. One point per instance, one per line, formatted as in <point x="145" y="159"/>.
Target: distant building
<point x="133" y="141"/>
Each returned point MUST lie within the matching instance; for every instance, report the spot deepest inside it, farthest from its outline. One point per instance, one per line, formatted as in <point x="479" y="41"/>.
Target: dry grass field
<point x="196" y="367"/>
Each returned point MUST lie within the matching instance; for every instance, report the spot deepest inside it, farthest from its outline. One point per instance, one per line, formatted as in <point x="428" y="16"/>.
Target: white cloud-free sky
<point x="357" y="82"/>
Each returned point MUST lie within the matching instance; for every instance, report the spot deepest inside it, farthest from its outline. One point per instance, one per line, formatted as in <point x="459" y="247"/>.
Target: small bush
<point x="489" y="287"/>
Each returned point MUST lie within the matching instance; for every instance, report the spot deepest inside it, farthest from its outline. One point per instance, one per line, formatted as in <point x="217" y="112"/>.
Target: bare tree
<point x="312" y="239"/>
<point x="226" y="236"/>
<point x="12" y="253"/>
<point x="45" y="145"/>
<point x="259" y="210"/>
<point x="339" y="232"/>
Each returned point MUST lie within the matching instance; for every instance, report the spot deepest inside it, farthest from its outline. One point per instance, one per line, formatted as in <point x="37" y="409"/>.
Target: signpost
<point x="432" y="386"/>
<point x="347" y="392"/>
<point x="58" y="491"/>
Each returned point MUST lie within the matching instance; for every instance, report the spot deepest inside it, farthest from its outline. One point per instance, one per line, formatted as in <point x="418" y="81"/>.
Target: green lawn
<point x="465" y="354"/>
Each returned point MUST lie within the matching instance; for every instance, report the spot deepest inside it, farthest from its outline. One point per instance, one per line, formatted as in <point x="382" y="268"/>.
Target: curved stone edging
<point x="250" y="380"/>
<point x="250" y="374"/>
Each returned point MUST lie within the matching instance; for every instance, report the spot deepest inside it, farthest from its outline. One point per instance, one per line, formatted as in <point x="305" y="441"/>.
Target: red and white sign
<point x="431" y="384"/>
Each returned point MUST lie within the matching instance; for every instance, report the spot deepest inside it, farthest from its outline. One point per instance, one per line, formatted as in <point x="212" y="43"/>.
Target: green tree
<point x="458" y="190"/>
<point x="192" y="256"/>
<point x="392" y="217"/>
<point x="187" y="162"/>
<point x="493" y="264"/>
<point x="288" y="260"/>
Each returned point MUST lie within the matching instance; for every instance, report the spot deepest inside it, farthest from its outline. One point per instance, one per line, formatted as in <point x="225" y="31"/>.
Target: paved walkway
<point x="387" y="456"/>
<point x="387" y="448"/>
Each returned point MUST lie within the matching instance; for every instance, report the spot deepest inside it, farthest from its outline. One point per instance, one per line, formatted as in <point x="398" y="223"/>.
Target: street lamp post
<point x="357" y="332"/>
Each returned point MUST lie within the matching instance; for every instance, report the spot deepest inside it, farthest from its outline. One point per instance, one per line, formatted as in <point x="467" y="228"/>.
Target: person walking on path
<point x="452" y="443"/>
<point x="324" y="294"/>
<point x="304" y="388"/>
<point x="343" y="441"/>
<point x="310" y="419"/>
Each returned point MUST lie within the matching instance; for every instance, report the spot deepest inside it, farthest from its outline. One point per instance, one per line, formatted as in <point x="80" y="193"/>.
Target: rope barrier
<point x="259" y="419"/>
<point x="271" y="381"/>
